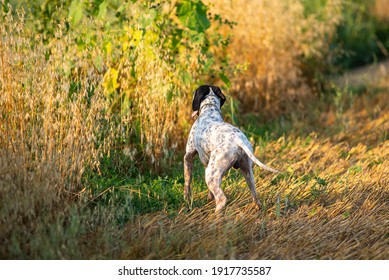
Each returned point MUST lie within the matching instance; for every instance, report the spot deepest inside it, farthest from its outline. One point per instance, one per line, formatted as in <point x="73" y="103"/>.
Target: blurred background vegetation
<point x="96" y="94"/>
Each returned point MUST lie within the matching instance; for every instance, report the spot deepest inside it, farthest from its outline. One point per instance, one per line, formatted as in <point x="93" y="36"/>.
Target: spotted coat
<point x="220" y="146"/>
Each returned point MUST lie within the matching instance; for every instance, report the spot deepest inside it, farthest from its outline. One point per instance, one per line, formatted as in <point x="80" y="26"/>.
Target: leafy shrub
<point x="362" y="35"/>
<point x="149" y="57"/>
<point x="153" y="64"/>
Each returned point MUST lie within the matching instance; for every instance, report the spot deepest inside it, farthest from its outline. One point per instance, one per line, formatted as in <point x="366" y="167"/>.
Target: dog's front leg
<point x="188" y="166"/>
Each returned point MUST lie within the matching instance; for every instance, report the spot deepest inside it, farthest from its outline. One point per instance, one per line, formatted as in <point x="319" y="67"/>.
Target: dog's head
<point x="201" y="93"/>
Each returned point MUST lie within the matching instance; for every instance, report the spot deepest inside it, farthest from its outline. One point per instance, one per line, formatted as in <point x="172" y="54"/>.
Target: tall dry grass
<point x="331" y="201"/>
<point x="380" y="9"/>
<point x="282" y="48"/>
<point x="57" y="120"/>
<point x="49" y="124"/>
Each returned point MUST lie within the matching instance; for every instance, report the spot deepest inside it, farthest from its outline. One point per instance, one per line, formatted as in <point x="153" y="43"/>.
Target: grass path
<point x="366" y="75"/>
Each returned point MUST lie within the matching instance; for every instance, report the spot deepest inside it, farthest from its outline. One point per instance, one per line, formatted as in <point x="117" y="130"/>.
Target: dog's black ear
<point x="199" y="95"/>
<point x="219" y="94"/>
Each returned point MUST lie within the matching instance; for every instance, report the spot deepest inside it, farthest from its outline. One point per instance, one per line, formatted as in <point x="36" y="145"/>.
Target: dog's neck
<point x="210" y="110"/>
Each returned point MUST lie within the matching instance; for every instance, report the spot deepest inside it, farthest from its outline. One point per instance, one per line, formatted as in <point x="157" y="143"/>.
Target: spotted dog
<point x="219" y="145"/>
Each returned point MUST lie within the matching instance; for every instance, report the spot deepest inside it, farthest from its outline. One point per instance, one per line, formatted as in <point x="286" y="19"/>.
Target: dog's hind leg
<point x="246" y="168"/>
<point x="218" y="164"/>
<point x="188" y="166"/>
<point x="213" y="178"/>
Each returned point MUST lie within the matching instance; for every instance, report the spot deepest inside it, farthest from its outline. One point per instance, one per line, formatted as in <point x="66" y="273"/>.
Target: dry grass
<point x="380" y="9"/>
<point x="331" y="201"/>
<point x="48" y="133"/>
<point x="56" y="121"/>
<point x="275" y="41"/>
<point x="47" y="119"/>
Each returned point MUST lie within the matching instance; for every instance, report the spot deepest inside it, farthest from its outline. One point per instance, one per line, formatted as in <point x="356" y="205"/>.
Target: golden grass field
<point x="82" y="179"/>
<point x="329" y="202"/>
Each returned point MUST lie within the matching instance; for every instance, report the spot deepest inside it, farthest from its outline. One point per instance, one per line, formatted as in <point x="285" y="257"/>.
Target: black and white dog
<point x="219" y="145"/>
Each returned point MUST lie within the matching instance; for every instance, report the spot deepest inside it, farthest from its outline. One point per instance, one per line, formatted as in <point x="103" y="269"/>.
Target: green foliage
<point x="193" y="15"/>
<point x="361" y="38"/>
<point x="358" y="36"/>
<point x="313" y="6"/>
<point x="76" y="12"/>
<point x="120" y="31"/>
<point x="150" y="56"/>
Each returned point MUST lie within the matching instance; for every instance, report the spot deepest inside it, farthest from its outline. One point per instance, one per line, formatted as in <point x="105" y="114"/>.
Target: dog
<point x="219" y="145"/>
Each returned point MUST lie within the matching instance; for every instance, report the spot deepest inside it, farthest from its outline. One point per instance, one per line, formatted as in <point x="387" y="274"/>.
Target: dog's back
<point x="218" y="135"/>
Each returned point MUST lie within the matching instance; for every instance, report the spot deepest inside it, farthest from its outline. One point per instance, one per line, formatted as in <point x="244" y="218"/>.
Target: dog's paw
<point x="220" y="204"/>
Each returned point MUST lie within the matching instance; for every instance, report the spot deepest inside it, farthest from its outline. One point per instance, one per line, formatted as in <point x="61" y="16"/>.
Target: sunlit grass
<point x="283" y="50"/>
<point x="88" y="173"/>
<point x="329" y="202"/>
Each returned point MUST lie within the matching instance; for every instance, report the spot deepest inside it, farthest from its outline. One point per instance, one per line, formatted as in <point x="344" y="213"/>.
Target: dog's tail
<point x="254" y="159"/>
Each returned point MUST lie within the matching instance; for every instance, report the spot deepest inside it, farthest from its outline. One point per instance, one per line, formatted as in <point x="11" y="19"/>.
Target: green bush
<point x="361" y="37"/>
<point x="150" y="56"/>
